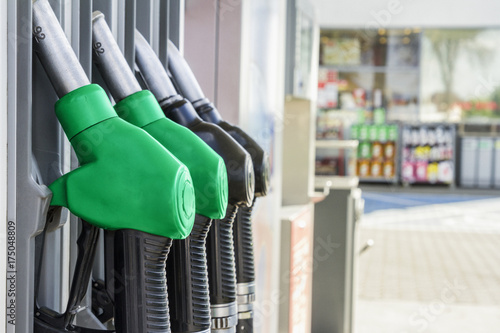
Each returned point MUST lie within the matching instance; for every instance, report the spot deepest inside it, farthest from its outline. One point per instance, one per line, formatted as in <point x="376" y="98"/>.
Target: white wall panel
<point x="398" y="13"/>
<point x="261" y="115"/>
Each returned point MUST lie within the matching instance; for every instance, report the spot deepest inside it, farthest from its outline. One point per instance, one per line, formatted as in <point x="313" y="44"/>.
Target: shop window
<point x="415" y="75"/>
<point x="372" y="69"/>
<point x="460" y="74"/>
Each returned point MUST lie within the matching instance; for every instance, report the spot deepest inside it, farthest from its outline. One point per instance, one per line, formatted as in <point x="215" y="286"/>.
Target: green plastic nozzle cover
<point x="126" y="179"/>
<point x="206" y="167"/>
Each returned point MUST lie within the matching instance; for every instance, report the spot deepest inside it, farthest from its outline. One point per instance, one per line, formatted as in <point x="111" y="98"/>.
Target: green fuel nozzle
<point x="140" y="108"/>
<point x="126" y="180"/>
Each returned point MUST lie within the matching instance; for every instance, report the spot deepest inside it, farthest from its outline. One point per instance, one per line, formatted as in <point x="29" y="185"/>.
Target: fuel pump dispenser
<point x="126" y="182"/>
<point x="220" y="246"/>
<point x="189" y="87"/>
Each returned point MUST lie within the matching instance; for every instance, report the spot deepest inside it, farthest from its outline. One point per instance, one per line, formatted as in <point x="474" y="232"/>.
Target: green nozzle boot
<point x="126" y="180"/>
<point x="205" y="166"/>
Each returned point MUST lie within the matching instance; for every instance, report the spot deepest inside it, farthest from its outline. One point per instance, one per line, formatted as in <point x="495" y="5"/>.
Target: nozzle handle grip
<point x="87" y="245"/>
<point x="141" y="300"/>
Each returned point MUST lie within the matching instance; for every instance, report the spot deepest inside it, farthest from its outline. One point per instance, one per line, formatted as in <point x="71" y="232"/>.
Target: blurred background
<point x="416" y="84"/>
<point x="381" y="119"/>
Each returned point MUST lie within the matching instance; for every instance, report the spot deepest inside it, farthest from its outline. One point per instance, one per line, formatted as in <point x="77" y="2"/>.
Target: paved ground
<point x="433" y="268"/>
<point x="383" y="201"/>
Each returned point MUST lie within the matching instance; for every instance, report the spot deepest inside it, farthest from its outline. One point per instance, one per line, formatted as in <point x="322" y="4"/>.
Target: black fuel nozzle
<point x="219" y="244"/>
<point x="186" y="83"/>
<point x="238" y="161"/>
<point x="188" y="86"/>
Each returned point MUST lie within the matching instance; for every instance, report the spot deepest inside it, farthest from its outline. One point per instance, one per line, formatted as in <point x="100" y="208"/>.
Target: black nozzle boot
<point x="260" y="159"/>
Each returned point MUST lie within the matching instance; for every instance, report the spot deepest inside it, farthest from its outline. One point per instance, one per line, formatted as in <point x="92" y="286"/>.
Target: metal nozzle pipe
<point x="109" y="59"/>
<point x="54" y="51"/>
<point x="152" y="69"/>
<point x="183" y="75"/>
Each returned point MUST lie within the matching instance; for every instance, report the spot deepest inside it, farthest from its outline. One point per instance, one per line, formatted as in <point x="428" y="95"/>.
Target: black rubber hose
<point x="188" y="280"/>
<point x="243" y="240"/>
<point x="222" y="271"/>
<point x="220" y="259"/>
<point x="245" y="269"/>
<point x="141" y="300"/>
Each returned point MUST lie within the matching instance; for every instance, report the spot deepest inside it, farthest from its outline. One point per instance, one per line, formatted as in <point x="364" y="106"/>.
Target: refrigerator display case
<point x="377" y="153"/>
<point x="428" y="154"/>
<point x="479" y="155"/>
<point x="370" y="71"/>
